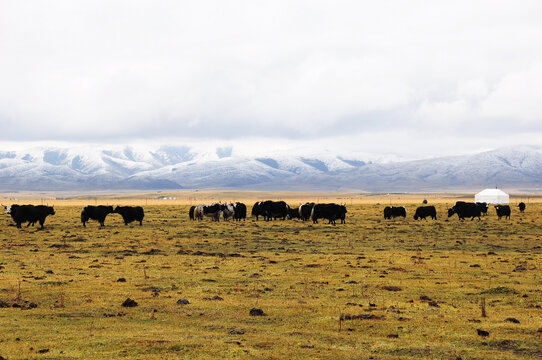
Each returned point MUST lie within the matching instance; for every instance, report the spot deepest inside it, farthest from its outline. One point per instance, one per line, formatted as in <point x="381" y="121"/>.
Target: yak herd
<point x="38" y="213"/>
<point x="268" y="210"/>
<point x="461" y="208"/>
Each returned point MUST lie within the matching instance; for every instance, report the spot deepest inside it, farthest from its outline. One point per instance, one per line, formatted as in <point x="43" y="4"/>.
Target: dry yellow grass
<point x="303" y="276"/>
<point x="197" y="197"/>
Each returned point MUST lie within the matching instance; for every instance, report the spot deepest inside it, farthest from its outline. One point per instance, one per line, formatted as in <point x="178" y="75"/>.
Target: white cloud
<point x="305" y="70"/>
<point x="516" y="97"/>
<point x="473" y="89"/>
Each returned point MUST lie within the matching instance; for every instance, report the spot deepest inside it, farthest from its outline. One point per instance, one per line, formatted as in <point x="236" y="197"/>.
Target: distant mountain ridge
<point x="168" y="167"/>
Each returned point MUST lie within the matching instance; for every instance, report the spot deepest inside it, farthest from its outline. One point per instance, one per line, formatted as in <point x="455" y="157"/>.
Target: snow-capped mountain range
<point x="161" y="167"/>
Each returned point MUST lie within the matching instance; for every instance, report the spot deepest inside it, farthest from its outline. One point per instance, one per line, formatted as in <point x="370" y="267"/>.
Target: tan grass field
<point x="199" y="197"/>
<point x="404" y="289"/>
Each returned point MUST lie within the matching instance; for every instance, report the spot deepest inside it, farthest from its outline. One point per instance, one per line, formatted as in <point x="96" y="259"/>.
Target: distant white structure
<point x="492" y="196"/>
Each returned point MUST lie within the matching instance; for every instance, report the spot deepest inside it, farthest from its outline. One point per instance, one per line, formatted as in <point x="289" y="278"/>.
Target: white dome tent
<point x="492" y="196"/>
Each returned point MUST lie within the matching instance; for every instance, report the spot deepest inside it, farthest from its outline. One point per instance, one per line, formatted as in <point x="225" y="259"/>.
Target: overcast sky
<point x="420" y="77"/>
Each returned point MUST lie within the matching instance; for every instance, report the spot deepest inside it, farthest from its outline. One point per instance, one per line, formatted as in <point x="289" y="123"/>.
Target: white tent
<point x="492" y="196"/>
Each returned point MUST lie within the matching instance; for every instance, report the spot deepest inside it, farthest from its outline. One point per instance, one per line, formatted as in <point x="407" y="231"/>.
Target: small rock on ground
<point x="257" y="312"/>
<point x="391" y="288"/>
<point x="512" y="320"/>
<point x="129" y="303"/>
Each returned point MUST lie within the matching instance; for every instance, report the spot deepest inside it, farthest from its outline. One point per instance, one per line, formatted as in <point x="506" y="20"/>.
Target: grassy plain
<point x="404" y="289"/>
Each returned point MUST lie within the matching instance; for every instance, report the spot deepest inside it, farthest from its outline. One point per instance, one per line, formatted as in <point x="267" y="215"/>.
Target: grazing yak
<point x="305" y="211"/>
<point x="464" y="210"/>
<point x="270" y="210"/>
<point x="130" y="213"/>
<point x="331" y="212"/>
<point x="257" y="210"/>
<point x="240" y="211"/>
<point x="394" y="211"/>
<point x="213" y="211"/>
<point x="424" y="211"/>
<point x="503" y="210"/>
<point x="30" y="214"/>
<point x="19" y="213"/>
<point x="98" y="213"/>
<point x="191" y="212"/>
<point x="228" y="211"/>
<point x="41" y="212"/>
<point x="483" y="207"/>
<point x="521" y="207"/>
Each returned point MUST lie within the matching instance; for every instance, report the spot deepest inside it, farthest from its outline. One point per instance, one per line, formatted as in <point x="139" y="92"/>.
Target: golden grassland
<point x="204" y="197"/>
<point x="404" y="289"/>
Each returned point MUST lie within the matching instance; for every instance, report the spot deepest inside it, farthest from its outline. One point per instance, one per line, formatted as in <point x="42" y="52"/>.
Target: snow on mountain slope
<point x="87" y="167"/>
<point x="505" y="167"/>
